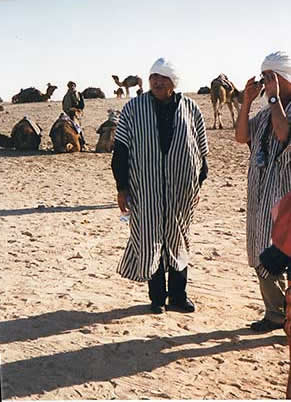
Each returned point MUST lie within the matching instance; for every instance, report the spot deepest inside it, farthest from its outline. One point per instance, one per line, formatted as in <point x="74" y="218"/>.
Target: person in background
<point x="269" y="175"/>
<point x="159" y="164"/>
<point x="276" y="259"/>
<point x="74" y="99"/>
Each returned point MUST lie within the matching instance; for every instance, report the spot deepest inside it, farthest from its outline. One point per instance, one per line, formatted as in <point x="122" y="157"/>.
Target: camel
<point x="130" y="81"/>
<point x="119" y="92"/>
<point x="93" y="93"/>
<point x="32" y="94"/>
<point x="25" y="136"/>
<point x="203" y="91"/>
<point x="107" y="132"/>
<point x="66" y="132"/>
<point x="222" y="92"/>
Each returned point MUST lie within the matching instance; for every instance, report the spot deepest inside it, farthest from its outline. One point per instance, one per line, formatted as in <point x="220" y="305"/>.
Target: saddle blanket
<point x="33" y="125"/>
<point x="75" y="126"/>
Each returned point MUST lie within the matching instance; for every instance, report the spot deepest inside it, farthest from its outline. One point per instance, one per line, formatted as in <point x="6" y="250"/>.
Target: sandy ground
<point x="71" y="328"/>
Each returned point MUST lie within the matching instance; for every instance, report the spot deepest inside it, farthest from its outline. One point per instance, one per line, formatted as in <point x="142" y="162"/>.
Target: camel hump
<point x="30" y="92"/>
<point x="132" y="80"/>
<point x="35" y="127"/>
<point x="223" y="81"/>
<point x="93" y="93"/>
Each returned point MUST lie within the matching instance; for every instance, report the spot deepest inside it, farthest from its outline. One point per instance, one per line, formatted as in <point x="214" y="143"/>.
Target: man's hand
<point x="122" y="197"/>
<point x="252" y="90"/>
<point x="271" y="84"/>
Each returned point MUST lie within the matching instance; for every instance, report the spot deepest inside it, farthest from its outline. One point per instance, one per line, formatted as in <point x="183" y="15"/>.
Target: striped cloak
<point x="163" y="188"/>
<point x="265" y="185"/>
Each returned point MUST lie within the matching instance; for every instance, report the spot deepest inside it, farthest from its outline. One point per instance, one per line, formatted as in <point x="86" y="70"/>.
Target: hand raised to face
<point x="252" y="90"/>
<point x="271" y="83"/>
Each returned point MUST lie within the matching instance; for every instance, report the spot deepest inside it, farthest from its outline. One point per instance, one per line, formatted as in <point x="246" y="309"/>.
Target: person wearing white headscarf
<point x="159" y="164"/>
<point x="278" y="62"/>
<point x="269" y="176"/>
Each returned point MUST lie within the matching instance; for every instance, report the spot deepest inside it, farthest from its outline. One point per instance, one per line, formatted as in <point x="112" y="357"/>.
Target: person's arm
<point x="279" y="118"/>
<point x="66" y="103"/>
<point x="119" y="165"/>
<point x="203" y="172"/>
<point x="201" y="131"/>
<point x="81" y="103"/>
<point x="251" y="91"/>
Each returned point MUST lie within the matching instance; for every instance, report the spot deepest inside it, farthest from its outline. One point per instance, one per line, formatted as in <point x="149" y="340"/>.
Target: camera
<point x="261" y="81"/>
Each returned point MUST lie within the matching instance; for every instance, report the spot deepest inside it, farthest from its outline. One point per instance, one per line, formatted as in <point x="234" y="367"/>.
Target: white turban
<point x="280" y="63"/>
<point x="166" y="68"/>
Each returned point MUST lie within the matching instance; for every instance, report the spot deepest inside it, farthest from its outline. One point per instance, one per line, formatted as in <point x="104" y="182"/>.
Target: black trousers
<point x="177" y="281"/>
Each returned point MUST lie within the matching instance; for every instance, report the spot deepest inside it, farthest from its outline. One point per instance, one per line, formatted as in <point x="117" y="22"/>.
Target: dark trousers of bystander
<point x="177" y="281"/>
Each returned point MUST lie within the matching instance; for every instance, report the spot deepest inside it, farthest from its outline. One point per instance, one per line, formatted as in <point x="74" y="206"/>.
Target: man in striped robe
<point x="269" y="175"/>
<point x="159" y="163"/>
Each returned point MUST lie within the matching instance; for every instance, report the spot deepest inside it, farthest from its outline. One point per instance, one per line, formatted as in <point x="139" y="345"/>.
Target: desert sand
<point x="71" y="328"/>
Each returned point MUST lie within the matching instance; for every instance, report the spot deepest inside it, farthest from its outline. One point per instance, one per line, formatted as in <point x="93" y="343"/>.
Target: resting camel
<point x="93" y="93"/>
<point x="203" y="91"/>
<point x="119" y="92"/>
<point x="31" y="94"/>
<point x="130" y="81"/>
<point x="107" y="132"/>
<point x="222" y="92"/>
<point x="25" y="136"/>
<point x="65" y="132"/>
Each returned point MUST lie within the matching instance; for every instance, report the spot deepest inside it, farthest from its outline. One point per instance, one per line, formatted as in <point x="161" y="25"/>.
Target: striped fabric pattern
<point x="163" y="188"/>
<point x="265" y="185"/>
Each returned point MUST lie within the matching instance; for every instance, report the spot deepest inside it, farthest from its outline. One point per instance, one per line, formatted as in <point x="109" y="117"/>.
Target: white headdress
<point x="279" y="62"/>
<point x="166" y="68"/>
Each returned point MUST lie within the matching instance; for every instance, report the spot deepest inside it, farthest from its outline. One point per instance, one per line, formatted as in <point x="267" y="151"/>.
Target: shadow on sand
<point x="104" y="362"/>
<point x="42" y="209"/>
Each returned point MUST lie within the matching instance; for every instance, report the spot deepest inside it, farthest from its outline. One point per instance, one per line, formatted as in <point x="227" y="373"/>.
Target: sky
<point x="87" y="41"/>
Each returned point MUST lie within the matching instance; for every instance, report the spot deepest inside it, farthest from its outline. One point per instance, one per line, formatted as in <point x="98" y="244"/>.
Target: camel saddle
<point x="36" y="128"/>
<point x="224" y="81"/>
<point x="64" y="117"/>
<point x="132" y="80"/>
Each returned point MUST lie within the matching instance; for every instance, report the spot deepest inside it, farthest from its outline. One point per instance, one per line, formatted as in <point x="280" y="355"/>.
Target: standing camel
<point x="130" y="81"/>
<point x="223" y="92"/>
<point x="119" y="92"/>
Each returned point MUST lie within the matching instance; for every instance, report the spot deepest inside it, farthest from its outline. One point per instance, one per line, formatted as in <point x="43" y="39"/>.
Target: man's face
<point x="72" y="87"/>
<point x="161" y="86"/>
<point x="281" y="81"/>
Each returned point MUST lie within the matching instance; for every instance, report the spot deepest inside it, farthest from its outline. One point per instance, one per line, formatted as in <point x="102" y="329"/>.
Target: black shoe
<point x="157" y="309"/>
<point x="265" y="325"/>
<point x="186" y="306"/>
